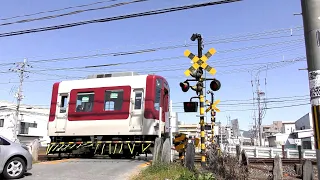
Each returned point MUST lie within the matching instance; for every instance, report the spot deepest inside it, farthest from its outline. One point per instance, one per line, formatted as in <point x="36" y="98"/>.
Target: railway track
<point x="267" y="160"/>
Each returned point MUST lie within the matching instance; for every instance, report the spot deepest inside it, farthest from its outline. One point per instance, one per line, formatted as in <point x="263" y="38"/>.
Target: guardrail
<point x="269" y="152"/>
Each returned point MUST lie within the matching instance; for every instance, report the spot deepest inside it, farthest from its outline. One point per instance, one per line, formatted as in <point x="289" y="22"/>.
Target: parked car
<point x="15" y="159"/>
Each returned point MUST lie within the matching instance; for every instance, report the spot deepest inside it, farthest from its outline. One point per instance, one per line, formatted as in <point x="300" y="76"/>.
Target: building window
<point x="113" y="100"/>
<point x="157" y="95"/>
<point x="138" y="100"/>
<point x="24" y="127"/>
<point x="1" y="122"/>
<point x="85" y="102"/>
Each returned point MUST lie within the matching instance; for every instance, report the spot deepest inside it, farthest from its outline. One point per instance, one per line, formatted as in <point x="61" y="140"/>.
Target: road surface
<point x="86" y="169"/>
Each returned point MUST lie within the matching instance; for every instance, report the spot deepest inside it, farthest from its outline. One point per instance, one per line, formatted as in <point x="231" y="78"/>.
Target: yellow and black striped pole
<point x="202" y="133"/>
<point x="213" y="120"/>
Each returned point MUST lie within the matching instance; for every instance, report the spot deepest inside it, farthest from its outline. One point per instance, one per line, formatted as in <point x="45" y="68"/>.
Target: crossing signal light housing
<point x="215" y="85"/>
<point x="197" y="74"/>
<point x="198" y="87"/>
<point x="185" y="86"/>
<point x="190" y="106"/>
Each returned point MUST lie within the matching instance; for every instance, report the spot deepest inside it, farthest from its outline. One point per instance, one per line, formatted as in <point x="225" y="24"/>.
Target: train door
<point x="136" y="112"/>
<point x="62" y="116"/>
<point x="165" y="103"/>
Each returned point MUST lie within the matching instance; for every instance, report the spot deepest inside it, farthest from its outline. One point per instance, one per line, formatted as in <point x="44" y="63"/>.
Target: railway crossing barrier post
<point x="214" y="109"/>
<point x="179" y="142"/>
<point x="196" y="71"/>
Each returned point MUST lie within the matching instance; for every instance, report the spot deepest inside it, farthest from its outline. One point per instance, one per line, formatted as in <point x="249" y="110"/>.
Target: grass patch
<point x="172" y="171"/>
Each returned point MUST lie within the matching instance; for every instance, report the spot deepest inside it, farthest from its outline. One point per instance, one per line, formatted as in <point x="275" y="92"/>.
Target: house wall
<point x="305" y="122"/>
<point x="33" y="122"/>
<point x="288" y="128"/>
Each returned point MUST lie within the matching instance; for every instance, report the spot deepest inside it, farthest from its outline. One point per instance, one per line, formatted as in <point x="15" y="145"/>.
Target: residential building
<point x="33" y="124"/>
<point x="288" y="127"/>
<point x="295" y="133"/>
<point x="269" y="130"/>
<point x="305" y="122"/>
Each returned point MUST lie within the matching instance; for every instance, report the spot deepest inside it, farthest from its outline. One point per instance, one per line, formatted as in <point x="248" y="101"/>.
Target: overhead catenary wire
<point x="221" y="60"/>
<point x="55" y="79"/>
<point x="270" y="52"/>
<point x="55" y="10"/>
<point x="214" y="40"/>
<point x="115" y="18"/>
<point x="276" y="107"/>
<point x="72" y="13"/>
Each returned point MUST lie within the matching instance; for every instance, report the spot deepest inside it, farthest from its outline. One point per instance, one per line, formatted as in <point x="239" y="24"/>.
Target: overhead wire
<point x="275" y="107"/>
<point x="55" y="79"/>
<point x="115" y="18"/>
<point x="55" y="10"/>
<point x="231" y="38"/>
<point x="164" y="59"/>
<point x="72" y="13"/>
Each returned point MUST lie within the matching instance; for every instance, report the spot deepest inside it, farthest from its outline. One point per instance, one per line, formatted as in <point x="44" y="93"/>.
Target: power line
<point x="56" y="10"/>
<point x="175" y="77"/>
<point x="246" y="103"/>
<point x="276" y="107"/>
<point x="115" y="18"/>
<point x="231" y="38"/>
<point x="138" y="52"/>
<point x="145" y="61"/>
<point x="246" y="100"/>
<point x="72" y="13"/>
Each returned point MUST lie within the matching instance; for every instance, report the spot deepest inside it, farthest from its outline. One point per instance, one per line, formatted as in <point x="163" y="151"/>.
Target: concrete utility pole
<point x="21" y="69"/>
<point x="311" y="22"/>
<point x="259" y="112"/>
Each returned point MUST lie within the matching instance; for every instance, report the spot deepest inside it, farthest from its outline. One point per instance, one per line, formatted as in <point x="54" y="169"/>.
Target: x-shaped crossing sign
<point x="200" y="62"/>
<point x="213" y="106"/>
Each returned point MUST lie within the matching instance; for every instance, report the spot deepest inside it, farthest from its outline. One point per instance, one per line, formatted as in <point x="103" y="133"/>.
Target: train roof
<point x="120" y="75"/>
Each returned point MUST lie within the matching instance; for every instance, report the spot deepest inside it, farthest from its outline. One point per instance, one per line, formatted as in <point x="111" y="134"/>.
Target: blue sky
<point x="245" y="34"/>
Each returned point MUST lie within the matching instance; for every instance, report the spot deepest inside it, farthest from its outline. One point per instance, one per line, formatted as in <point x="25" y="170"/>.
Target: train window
<point x="113" y="100"/>
<point x="157" y="95"/>
<point x="85" y="102"/>
<point x="63" y="103"/>
<point x="138" y="100"/>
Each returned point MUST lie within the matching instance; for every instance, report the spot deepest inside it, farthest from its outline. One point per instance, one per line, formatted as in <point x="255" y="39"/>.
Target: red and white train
<point x="108" y="114"/>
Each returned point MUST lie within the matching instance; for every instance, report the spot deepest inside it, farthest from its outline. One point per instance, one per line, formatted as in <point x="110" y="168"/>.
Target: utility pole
<point x="21" y="70"/>
<point x="311" y="22"/>
<point x="259" y="112"/>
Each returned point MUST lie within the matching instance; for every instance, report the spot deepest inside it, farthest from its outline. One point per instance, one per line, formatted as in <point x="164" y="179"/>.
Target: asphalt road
<point x="86" y="169"/>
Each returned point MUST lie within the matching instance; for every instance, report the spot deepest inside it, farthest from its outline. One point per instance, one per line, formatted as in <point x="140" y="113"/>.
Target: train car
<point x="109" y="114"/>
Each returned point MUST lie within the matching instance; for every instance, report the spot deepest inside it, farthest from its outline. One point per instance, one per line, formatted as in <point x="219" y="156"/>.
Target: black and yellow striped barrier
<point x="114" y="147"/>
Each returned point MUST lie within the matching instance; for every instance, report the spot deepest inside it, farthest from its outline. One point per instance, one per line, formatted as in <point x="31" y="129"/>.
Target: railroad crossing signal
<point x="213" y="106"/>
<point x="200" y="62"/>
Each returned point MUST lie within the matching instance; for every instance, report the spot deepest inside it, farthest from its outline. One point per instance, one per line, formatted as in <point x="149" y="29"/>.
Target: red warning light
<point x="184" y="86"/>
<point x="190" y="106"/>
<point x="215" y="85"/>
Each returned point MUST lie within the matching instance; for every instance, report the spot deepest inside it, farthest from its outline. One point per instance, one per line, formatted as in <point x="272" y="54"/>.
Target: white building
<point x="288" y="127"/>
<point x="295" y="133"/>
<point x="279" y="139"/>
<point x="33" y="125"/>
